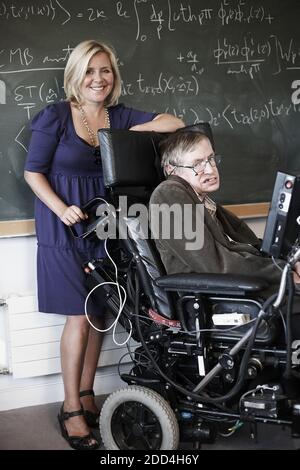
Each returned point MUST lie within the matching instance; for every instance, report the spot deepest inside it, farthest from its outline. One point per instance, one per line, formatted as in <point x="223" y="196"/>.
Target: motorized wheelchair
<point x="192" y="378"/>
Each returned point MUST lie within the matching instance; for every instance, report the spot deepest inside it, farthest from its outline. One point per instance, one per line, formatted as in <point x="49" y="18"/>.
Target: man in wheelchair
<point x="228" y="245"/>
<point x="216" y="350"/>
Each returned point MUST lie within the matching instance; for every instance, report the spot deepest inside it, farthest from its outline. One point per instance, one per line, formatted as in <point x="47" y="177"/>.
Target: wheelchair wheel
<point x="137" y="418"/>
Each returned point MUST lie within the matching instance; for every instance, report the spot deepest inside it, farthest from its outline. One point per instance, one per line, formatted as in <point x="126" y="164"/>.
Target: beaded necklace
<point x="91" y="133"/>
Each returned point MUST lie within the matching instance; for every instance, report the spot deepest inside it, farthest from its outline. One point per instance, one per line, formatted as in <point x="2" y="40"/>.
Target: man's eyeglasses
<point x="97" y="155"/>
<point x="200" y="166"/>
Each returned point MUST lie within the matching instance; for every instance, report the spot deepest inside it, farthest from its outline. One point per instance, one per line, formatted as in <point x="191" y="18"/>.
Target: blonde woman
<point x="63" y="169"/>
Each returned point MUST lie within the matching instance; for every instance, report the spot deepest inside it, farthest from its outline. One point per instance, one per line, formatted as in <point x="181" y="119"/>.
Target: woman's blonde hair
<point x="77" y="65"/>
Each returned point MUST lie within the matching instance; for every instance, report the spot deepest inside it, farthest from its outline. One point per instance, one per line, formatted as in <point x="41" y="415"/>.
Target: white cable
<point x="121" y="306"/>
<point x="120" y="297"/>
<point x="276" y="264"/>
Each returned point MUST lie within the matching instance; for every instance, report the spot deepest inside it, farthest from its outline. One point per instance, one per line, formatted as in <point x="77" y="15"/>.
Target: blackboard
<point x="233" y="63"/>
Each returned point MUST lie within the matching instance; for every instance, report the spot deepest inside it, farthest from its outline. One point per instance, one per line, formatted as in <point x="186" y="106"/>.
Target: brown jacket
<point x="218" y="254"/>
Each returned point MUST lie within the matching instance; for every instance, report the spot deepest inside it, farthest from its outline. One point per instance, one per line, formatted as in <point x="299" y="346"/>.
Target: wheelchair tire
<point x="137" y="418"/>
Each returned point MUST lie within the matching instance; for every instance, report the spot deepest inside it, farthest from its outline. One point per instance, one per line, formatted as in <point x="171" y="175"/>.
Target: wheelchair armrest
<point x="211" y="283"/>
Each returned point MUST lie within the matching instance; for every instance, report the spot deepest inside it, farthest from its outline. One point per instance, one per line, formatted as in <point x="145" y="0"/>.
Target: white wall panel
<point x="34" y="340"/>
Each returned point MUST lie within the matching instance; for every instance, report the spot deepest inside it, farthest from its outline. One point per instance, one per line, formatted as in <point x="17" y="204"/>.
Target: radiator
<point x="34" y="340"/>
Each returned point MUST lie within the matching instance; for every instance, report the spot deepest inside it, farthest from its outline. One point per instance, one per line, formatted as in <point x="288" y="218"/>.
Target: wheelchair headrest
<point x="132" y="158"/>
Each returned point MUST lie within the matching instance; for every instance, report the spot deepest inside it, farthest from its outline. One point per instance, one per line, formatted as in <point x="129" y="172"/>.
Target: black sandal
<point x="76" y="442"/>
<point x="91" y="418"/>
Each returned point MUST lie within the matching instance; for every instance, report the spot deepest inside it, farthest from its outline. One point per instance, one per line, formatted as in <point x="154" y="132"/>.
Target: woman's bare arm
<point x="39" y="184"/>
<point x="161" y="123"/>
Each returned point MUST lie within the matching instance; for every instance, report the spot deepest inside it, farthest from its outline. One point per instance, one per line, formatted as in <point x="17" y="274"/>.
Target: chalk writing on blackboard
<point x="232" y="63"/>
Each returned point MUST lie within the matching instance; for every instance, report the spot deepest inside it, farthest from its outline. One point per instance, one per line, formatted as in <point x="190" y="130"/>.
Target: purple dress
<point x="68" y="163"/>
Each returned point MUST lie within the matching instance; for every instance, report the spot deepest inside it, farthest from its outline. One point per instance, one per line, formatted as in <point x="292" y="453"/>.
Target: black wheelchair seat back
<point x="132" y="168"/>
<point x="149" y="267"/>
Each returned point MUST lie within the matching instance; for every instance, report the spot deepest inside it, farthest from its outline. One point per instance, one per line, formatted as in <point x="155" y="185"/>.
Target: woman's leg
<point x="73" y="347"/>
<point x="90" y="363"/>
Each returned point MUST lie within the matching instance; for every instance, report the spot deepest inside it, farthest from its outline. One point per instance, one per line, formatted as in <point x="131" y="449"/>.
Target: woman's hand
<point x="72" y="215"/>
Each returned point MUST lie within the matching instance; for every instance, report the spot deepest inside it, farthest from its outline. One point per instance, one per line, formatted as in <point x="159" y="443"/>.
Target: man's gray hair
<point x="177" y="144"/>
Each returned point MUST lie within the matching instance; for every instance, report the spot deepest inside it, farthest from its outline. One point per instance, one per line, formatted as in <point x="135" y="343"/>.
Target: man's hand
<point x="297" y="268"/>
<point x="296" y="278"/>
